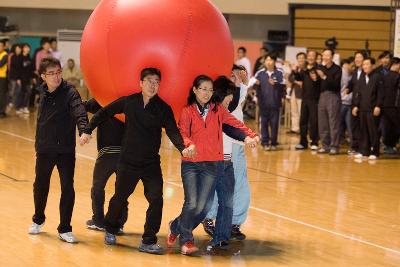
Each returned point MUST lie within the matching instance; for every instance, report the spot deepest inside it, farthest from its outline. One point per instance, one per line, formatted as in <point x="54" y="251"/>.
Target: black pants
<point x="105" y="166"/>
<point x="269" y="120"/>
<point x="44" y="167"/>
<point x="127" y="179"/>
<point x="369" y="138"/>
<point x="3" y="95"/>
<point x="391" y="124"/>
<point x="309" y="121"/>
<point x="355" y="133"/>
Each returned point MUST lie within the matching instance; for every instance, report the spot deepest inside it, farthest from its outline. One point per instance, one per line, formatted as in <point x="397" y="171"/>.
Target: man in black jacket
<point x="309" y="105"/>
<point x="368" y="104"/>
<point x="145" y="116"/>
<point x="60" y="111"/>
<point x="109" y="138"/>
<point x="391" y="107"/>
<point x="329" y="104"/>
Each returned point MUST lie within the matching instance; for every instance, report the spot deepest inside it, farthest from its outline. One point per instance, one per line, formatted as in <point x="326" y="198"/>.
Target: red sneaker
<point x="189" y="248"/>
<point x="171" y="238"/>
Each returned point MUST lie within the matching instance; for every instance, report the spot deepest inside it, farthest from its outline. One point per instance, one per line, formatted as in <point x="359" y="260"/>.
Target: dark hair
<point x="243" y="49"/>
<point x="301" y="53"/>
<point x="272" y="56"/>
<point x="350" y="59"/>
<point x="238" y="67"/>
<point x="319" y="54"/>
<point x="329" y="49"/>
<point x="222" y="88"/>
<point x="44" y="40"/>
<point x="48" y="62"/>
<point x="395" y="61"/>
<point x="363" y="53"/>
<point x="53" y="40"/>
<point x="150" y="71"/>
<point x="14" y="47"/>
<point x="196" y="83"/>
<point x="3" y="42"/>
<point x="310" y="50"/>
<point x="370" y="59"/>
<point x="345" y="61"/>
<point x="25" y="44"/>
<point x="385" y="54"/>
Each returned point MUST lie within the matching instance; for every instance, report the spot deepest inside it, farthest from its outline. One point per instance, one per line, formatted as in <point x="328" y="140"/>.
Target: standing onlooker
<point x="270" y="93"/>
<point x="44" y="53"/>
<point x="243" y="60"/>
<point x="260" y="61"/>
<point x="384" y="62"/>
<point x="309" y="104"/>
<point x="368" y="104"/>
<point x="329" y="104"/>
<point x="345" y="114"/>
<point x="391" y="107"/>
<point x="3" y="79"/>
<point x="54" y="50"/>
<point x="27" y="76"/>
<point x="14" y="73"/>
<point x="296" y="91"/>
<point x="72" y="74"/>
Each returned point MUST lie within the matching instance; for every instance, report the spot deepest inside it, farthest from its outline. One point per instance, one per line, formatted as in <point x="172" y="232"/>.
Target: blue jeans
<point x="269" y="120"/>
<point x="241" y="195"/>
<point x="223" y="202"/>
<point x="199" y="181"/>
<point x="345" y="122"/>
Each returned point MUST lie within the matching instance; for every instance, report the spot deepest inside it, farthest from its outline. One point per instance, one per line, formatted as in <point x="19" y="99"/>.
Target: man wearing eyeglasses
<point x="60" y="112"/>
<point x="146" y="114"/>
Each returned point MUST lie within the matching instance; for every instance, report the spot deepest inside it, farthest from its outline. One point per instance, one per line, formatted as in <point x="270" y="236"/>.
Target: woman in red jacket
<point x="201" y="128"/>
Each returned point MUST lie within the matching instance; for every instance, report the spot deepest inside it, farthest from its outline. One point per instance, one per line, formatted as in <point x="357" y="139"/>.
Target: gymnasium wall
<point x="351" y="27"/>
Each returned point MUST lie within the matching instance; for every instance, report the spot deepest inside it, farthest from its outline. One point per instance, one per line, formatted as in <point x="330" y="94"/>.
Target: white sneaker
<point x="372" y="157"/>
<point x="358" y="156"/>
<point x="314" y="147"/>
<point x="19" y="111"/>
<point x="68" y="237"/>
<point x="35" y="228"/>
<point x="25" y="110"/>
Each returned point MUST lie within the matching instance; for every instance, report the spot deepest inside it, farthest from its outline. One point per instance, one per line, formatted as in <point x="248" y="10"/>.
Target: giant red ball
<point x="183" y="38"/>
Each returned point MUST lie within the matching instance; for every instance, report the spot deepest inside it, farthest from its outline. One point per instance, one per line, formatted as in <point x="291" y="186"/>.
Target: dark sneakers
<point x="236" y="234"/>
<point x="222" y="245"/>
<point x="209" y="227"/>
<point x="90" y="224"/>
<point x="151" y="248"/>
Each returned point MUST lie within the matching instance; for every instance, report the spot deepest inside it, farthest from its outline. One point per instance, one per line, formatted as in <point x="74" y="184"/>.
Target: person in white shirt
<point x="234" y="150"/>
<point x="243" y="60"/>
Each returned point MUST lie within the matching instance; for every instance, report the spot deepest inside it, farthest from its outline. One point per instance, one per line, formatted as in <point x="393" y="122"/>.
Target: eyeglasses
<point x="205" y="90"/>
<point x="150" y="81"/>
<point x="52" y="73"/>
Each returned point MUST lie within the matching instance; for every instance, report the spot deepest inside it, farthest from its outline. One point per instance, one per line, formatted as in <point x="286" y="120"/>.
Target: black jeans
<point x="355" y="133"/>
<point x="369" y="139"/>
<point x="391" y="124"/>
<point x="45" y="163"/>
<point x="269" y="120"/>
<point x="309" y="121"/>
<point x="105" y="166"/>
<point x="127" y="179"/>
<point x="3" y="95"/>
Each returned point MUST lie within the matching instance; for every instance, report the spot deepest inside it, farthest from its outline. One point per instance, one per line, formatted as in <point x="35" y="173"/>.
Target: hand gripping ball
<point x="183" y="38"/>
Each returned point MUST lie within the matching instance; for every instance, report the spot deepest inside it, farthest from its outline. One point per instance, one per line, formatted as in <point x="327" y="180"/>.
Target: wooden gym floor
<point x="306" y="210"/>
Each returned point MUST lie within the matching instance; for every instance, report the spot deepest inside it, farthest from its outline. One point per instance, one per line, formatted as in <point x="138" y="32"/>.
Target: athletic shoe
<point x="68" y="237"/>
<point x="333" y="151"/>
<point x="358" y="156"/>
<point x="171" y="238"/>
<point x="273" y="148"/>
<point x="323" y="151"/>
<point x="19" y="111"/>
<point x="267" y="147"/>
<point x="25" y="110"/>
<point x="189" y="248"/>
<point x="35" y="228"/>
<point x="120" y="231"/>
<point x="314" y="147"/>
<point x="372" y="157"/>
<point x="110" y="239"/>
<point x="352" y="152"/>
<point x="209" y="227"/>
<point x="151" y="248"/>
<point x="236" y="234"/>
<point x="91" y="225"/>
<point x="300" y="147"/>
<point x="222" y="245"/>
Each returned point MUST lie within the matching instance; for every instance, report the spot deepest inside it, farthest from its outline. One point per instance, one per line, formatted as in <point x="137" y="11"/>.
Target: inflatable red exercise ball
<point x="183" y="38"/>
